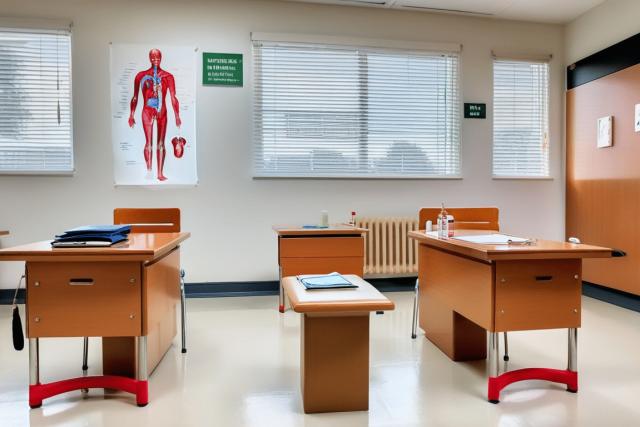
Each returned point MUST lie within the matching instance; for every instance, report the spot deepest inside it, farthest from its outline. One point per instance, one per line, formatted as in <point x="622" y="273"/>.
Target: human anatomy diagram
<point x="154" y="83"/>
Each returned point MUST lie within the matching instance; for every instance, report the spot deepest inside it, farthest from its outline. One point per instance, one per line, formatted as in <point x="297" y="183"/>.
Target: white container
<point x="428" y="226"/>
<point x="324" y="218"/>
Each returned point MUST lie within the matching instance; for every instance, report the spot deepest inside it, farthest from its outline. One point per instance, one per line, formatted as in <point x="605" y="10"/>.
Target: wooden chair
<point x="156" y="220"/>
<point x="465" y="219"/>
<point x="162" y="220"/>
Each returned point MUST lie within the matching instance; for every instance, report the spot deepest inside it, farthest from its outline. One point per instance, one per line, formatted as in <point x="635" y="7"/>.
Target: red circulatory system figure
<point x="155" y="83"/>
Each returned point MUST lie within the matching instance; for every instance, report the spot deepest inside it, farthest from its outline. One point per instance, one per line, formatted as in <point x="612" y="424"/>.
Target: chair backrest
<point x="155" y="220"/>
<point x="465" y="218"/>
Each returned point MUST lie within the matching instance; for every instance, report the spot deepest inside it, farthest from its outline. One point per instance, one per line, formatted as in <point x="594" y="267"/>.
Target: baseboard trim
<point x="612" y="296"/>
<point x="270" y="287"/>
<point x="6" y="296"/>
<point x="244" y="289"/>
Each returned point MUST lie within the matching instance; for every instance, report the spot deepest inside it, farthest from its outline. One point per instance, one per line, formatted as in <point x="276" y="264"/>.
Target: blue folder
<point x="97" y="230"/>
<point x="327" y="281"/>
<point x="92" y="235"/>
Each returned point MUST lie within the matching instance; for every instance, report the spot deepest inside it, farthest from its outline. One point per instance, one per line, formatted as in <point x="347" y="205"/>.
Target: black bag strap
<point x="16" y="322"/>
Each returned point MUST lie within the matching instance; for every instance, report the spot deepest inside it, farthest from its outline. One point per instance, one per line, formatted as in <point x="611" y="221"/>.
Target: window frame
<point x="55" y="28"/>
<point x="380" y="46"/>
<point x="531" y="60"/>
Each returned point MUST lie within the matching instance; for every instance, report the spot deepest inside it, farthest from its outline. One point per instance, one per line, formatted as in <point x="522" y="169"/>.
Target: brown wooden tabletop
<point x="333" y="229"/>
<point x="540" y="249"/>
<point x="139" y="247"/>
<point x="363" y="298"/>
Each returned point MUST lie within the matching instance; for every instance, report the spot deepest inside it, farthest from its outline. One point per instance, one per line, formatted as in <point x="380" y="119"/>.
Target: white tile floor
<point x="242" y="370"/>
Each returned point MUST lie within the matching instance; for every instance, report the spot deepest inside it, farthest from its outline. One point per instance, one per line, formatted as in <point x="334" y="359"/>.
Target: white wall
<point x="229" y="213"/>
<point x="601" y="27"/>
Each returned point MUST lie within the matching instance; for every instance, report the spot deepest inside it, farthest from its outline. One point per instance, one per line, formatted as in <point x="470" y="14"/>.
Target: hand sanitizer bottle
<point x="444" y="224"/>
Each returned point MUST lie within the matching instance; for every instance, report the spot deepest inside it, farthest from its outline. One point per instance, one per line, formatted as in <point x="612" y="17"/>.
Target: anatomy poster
<point x="153" y="114"/>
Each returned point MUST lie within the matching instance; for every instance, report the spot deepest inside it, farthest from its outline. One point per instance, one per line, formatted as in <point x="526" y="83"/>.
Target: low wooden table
<point x="334" y="344"/>
<point x="339" y="247"/>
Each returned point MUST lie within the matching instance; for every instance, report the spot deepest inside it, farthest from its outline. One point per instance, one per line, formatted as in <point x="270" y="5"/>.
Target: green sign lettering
<point x="222" y="69"/>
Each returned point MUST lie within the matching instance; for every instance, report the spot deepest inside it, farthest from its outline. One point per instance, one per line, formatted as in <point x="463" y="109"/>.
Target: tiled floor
<point x="242" y="370"/>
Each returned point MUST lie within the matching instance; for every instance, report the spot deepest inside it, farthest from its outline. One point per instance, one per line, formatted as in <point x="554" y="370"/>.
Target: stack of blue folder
<point x="91" y="236"/>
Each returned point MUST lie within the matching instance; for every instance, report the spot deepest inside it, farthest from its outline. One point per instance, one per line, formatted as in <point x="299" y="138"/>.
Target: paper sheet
<point x="492" y="239"/>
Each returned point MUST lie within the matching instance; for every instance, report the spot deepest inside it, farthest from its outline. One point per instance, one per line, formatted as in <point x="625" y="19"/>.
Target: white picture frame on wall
<point x="605" y="132"/>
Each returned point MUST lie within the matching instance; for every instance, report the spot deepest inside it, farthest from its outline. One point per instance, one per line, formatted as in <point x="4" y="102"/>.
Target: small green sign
<point x="475" y="111"/>
<point x="223" y="69"/>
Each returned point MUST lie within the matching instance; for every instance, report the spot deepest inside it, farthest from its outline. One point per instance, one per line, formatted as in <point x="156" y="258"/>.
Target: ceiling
<point x="549" y="11"/>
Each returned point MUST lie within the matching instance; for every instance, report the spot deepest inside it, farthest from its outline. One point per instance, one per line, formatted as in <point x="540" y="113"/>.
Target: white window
<point x="344" y="111"/>
<point x="35" y="102"/>
<point x="520" y="119"/>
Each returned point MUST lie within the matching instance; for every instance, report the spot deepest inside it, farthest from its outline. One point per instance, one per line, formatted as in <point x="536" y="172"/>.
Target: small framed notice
<point x="605" y="132"/>
<point x="475" y="111"/>
<point x="222" y="69"/>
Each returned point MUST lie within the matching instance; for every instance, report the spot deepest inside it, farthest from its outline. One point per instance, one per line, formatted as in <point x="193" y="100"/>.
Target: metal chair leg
<point x="506" y="348"/>
<point x="85" y="361"/>
<point x="414" y="326"/>
<point x="183" y="312"/>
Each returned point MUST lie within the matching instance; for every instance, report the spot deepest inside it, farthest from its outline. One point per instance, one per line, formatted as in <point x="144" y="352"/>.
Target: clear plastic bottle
<point x="443" y="230"/>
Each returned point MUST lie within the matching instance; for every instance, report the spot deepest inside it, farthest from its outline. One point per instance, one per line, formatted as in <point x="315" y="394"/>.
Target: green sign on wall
<point x="475" y="111"/>
<point x="223" y="69"/>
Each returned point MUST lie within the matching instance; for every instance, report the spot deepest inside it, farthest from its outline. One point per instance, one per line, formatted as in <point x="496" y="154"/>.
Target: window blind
<point x="520" y="119"/>
<point x="346" y="111"/>
<point x="35" y="102"/>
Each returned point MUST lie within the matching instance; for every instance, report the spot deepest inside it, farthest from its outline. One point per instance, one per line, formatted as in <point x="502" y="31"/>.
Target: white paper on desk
<point x="492" y="239"/>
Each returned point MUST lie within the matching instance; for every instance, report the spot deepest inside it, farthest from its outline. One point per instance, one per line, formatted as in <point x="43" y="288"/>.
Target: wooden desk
<point x="334" y="343"/>
<point x="126" y="294"/>
<point x="466" y="289"/>
<point x="319" y="251"/>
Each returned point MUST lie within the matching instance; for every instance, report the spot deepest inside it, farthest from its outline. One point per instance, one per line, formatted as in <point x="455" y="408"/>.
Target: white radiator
<point x="388" y="249"/>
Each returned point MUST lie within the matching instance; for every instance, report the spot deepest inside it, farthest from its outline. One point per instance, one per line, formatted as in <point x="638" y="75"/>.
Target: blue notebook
<point x="326" y="281"/>
<point x="84" y="241"/>
<point x="97" y="230"/>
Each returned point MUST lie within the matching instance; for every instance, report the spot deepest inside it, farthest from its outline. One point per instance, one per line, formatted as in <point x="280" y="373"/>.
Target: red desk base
<point x="39" y="392"/>
<point x="570" y="378"/>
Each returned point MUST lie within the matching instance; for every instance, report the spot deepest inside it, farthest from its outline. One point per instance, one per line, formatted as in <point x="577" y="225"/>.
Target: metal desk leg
<point x="494" y="367"/>
<point x="572" y="364"/>
<point x="85" y="360"/>
<point x="34" y="371"/>
<point x="414" y="326"/>
<point x="183" y="312"/>
<point x="142" y="386"/>
<point x="281" y="295"/>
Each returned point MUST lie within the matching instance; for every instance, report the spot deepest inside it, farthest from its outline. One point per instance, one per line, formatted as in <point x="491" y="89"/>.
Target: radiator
<point x="388" y="249"/>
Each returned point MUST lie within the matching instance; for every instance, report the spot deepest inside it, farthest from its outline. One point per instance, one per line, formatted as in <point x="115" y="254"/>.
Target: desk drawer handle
<point x="81" y="282"/>
<point x="544" y="278"/>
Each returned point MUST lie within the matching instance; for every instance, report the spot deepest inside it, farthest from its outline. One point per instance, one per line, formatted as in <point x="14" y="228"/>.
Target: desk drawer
<point x="537" y="294"/>
<point x="321" y="247"/>
<point x="74" y="299"/>
<point x="343" y="265"/>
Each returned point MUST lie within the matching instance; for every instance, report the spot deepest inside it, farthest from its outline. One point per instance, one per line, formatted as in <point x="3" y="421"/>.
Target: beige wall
<point x="229" y="213"/>
<point x="601" y="27"/>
